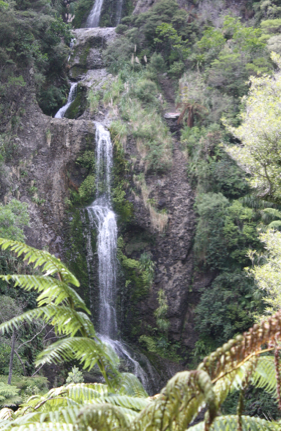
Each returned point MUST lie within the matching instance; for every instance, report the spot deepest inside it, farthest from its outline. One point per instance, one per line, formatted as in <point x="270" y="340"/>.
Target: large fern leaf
<point x="103" y="417"/>
<point x="37" y="426"/>
<point x="230" y="423"/>
<point x="53" y="290"/>
<point x="179" y="403"/>
<point x="87" y="351"/>
<point x="130" y="385"/>
<point x="66" y="320"/>
<point x="49" y="263"/>
<point x="264" y="375"/>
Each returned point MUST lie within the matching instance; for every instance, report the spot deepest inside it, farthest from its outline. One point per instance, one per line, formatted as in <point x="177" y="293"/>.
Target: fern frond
<point x="229" y="423"/>
<point x="66" y="320"/>
<point x="59" y="426"/>
<point x="232" y="381"/>
<point x="130" y="385"/>
<point x="179" y="403"/>
<point x="275" y="224"/>
<point x="273" y="212"/>
<point x="49" y="263"/>
<point x="87" y="351"/>
<point x="83" y="393"/>
<point x="53" y="290"/>
<point x="65" y="415"/>
<point x="131" y="403"/>
<point x="104" y="417"/>
<point x="264" y="375"/>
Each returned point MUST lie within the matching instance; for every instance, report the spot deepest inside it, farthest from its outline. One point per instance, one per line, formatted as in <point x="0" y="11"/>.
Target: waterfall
<point x="94" y="16"/>
<point x="93" y="19"/>
<point x="119" y="8"/>
<point x="72" y="94"/>
<point x="103" y="218"/>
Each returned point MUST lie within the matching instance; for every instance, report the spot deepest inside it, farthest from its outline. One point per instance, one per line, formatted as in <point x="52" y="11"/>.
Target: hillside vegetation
<point x="221" y="63"/>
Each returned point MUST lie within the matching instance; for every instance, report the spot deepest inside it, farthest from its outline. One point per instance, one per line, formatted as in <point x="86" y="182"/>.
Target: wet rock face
<point x="171" y="249"/>
<point x="88" y="50"/>
<point x="40" y="175"/>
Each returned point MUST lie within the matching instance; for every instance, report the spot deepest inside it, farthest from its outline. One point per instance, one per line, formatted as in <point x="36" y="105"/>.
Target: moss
<point x="79" y="105"/>
<point x="77" y="71"/>
<point x="76" y="224"/>
<point x="84" y="55"/>
<point x="121" y="205"/>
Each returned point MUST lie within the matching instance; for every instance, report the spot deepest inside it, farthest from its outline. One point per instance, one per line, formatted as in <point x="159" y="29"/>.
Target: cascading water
<point x="103" y="218"/>
<point x="72" y="94"/>
<point x="94" y="16"/>
<point x="93" y="19"/>
<point x="119" y="7"/>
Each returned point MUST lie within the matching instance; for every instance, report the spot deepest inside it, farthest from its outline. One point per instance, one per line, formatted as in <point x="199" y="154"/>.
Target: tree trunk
<point x="190" y="117"/>
<point x="12" y="357"/>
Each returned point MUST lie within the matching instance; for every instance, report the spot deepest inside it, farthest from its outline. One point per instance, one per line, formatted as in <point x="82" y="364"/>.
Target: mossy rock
<point x="79" y="105"/>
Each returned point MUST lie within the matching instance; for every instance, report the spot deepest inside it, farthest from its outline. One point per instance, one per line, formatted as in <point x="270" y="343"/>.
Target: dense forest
<point x="140" y="214"/>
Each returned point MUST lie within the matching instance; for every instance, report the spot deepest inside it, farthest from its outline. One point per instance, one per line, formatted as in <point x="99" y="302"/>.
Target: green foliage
<point x="266" y="269"/>
<point x="161" y="312"/>
<point x="226" y="308"/>
<point x="81" y="12"/>
<point x="13" y="217"/>
<point x="75" y="376"/>
<point x="259" y="153"/>
<point x="33" y="46"/>
<point x="162" y="29"/>
<point x="125" y="406"/>
<point x="138" y="273"/>
<point x="59" y="305"/>
<point x="93" y="99"/>
<point x="8" y="395"/>
<point x="224" y="232"/>
<point x="87" y="189"/>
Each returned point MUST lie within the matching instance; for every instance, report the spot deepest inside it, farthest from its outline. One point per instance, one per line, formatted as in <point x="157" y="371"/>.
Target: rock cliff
<point x="45" y="172"/>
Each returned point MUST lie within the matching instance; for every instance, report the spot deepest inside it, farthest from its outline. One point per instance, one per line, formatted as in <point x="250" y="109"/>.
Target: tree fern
<point x="108" y="407"/>
<point x="229" y="423"/>
<point x="9" y="395"/>
<point x="59" y="305"/>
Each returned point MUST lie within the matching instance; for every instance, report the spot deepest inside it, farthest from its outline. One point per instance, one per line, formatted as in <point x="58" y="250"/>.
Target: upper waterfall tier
<point x="87" y="53"/>
<point x="115" y="12"/>
<point x="94" y="16"/>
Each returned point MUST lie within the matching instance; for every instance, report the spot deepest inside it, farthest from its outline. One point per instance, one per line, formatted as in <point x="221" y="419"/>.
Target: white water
<point x="119" y="11"/>
<point x="72" y="94"/>
<point x="94" y="16"/>
<point x="103" y="218"/>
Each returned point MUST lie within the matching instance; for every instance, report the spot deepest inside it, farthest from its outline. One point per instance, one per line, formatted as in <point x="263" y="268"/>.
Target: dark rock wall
<point x="44" y="171"/>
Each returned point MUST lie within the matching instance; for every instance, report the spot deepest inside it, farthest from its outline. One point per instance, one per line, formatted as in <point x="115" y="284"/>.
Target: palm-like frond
<point x="230" y="423"/>
<point x="264" y="375"/>
<point x="53" y="290"/>
<point x="104" y="417"/>
<point x="66" y="320"/>
<point x="37" y="426"/>
<point x="178" y="403"/>
<point x="275" y="224"/>
<point x="131" y="403"/>
<point x="130" y="385"/>
<point x="87" y="351"/>
<point x="49" y="263"/>
<point x="60" y="306"/>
